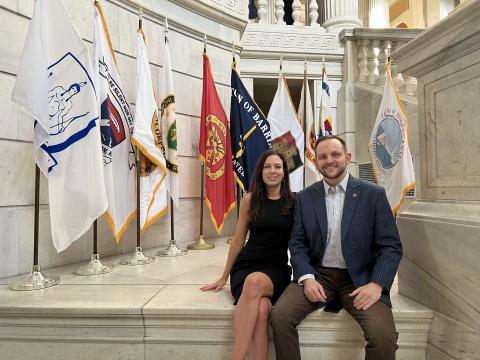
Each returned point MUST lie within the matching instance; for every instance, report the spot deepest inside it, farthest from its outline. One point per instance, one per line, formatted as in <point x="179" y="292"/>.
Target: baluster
<point x="279" y="12"/>
<point x="296" y="6"/>
<point x="410" y="85"/>
<point x="372" y="62"/>
<point x="313" y="13"/>
<point x="362" y="59"/>
<point x="382" y="62"/>
<point x="262" y="11"/>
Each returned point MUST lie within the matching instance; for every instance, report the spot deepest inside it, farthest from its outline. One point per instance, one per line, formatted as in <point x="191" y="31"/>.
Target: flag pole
<point x="201" y="244"/>
<point x="234" y="65"/>
<point x="172" y="248"/>
<point x="95" y="266"/>
<point x="36" y="280"/>
<point x="320" y="132"/>
<point x="304" y="116"/>
<point x="138" y="257"/>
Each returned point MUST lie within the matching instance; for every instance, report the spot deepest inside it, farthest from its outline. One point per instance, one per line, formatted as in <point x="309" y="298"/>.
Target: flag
<point x="326" y="119"/>
<point x="215" y="151"/>
<point x="249" y="131"/>
<point x="147" y="137"/>
<point x="310" y="136"/>
<point x="116" y="123"/>
<point x="389" y="149"/>
<point x="287" y="133"/>
<point x="54" y="83"/>
<point x="169" y="126"/>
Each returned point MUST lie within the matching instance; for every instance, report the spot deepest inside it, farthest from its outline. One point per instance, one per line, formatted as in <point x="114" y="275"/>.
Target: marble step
<point x="157" y="312"/>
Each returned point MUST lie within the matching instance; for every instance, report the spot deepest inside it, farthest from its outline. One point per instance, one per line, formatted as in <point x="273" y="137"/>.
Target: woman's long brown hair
<point x="258" y="188"/>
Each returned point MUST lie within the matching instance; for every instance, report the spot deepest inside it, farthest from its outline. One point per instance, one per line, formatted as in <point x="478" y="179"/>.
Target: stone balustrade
<point x="368" y="49"/>
<point x="342" y="13"/>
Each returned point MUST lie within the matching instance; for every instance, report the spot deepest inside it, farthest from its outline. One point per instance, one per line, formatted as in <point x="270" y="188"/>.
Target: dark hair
<point x="330" y="137"/>
<point x="258" y="189"/>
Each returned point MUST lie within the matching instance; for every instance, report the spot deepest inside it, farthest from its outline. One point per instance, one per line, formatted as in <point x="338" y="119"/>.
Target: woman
<point x="259" y="270"/>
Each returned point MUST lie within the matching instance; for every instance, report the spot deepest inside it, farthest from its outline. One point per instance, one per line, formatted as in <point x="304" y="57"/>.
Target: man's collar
<point x="342" y="184"/>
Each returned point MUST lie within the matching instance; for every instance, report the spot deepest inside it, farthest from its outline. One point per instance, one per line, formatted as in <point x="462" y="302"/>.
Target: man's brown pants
<point x="293" y="307"/>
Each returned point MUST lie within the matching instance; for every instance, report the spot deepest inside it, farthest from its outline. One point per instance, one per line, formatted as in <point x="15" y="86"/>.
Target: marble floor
<point x="156" y="307"/>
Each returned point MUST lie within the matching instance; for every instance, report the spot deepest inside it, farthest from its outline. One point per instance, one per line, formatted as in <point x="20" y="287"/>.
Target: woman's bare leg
<point x="256" y="286"/>
<point x="259" y="343"/>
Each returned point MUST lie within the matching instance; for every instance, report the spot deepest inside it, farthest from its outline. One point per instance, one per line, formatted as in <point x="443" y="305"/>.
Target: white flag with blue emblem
<point x="116" y="123"/>
<point x="287" y="133"/>
<point x="54" y="83"/>
<point x="389" y="149"/>
<point x="147" y="136"/>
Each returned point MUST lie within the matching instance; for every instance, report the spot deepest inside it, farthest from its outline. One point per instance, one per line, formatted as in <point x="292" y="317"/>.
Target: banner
<point x="326" y="119"/>
<point x="389" y="149"/>
<point x="249" y="131"/>
<point x="169" y="126"/>
<point x="287" y="133"/>
<point x="54" y="83"/>
<point x="116" y="123"/>
<point x="215" y="151"/>
<point x="310" y="136"/>
<point x="147" y="136"/>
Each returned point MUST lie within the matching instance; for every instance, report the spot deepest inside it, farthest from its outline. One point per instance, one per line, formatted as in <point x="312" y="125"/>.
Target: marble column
<point x="378" y="14"/>
<point x="341" y="13"/>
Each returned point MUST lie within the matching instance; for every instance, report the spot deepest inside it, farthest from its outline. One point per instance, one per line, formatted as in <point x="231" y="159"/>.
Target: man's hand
<point x="366" y="296"/>
<point x="313" y="291"/>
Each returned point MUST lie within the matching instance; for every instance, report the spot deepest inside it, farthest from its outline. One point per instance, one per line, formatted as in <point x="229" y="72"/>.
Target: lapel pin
<point x="354" y="195"/>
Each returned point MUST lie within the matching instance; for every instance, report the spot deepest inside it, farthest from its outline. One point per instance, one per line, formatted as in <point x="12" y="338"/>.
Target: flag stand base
<point x="138" y="258"/>
<point x="229" y="241"/>
<point x="35" y="281"/>
<point x="172" y="250"/>
<point x="95" y="267"/>
<point x="201" y="244"/>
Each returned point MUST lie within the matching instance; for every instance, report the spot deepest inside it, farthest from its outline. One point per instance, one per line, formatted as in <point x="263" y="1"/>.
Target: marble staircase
<point x="157" y="312"/>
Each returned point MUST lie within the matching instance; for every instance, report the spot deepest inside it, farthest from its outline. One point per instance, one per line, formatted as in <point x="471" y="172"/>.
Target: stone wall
<point x="440" y="231"/>
<point x="221" y="21"/>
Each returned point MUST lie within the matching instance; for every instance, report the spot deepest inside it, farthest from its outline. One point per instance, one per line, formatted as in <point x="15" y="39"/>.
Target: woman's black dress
<point x="266" y="249"/>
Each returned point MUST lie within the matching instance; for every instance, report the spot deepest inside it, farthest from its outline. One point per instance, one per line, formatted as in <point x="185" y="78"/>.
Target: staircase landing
<point x="157" y="312"/>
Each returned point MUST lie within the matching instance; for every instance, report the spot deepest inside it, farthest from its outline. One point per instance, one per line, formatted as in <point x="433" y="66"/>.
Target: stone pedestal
<point x="440" y="231"/>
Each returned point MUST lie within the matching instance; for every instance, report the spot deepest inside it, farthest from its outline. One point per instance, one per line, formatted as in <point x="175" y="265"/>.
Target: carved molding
<point x="289" y="42"/>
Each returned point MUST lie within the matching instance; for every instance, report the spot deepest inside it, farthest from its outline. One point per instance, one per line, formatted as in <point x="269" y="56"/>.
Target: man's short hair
<point x="330" y="137"/>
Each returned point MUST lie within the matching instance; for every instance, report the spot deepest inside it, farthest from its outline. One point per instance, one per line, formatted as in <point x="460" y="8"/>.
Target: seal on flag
<point x="388" y="144"/>
<point x="215" y="149"/>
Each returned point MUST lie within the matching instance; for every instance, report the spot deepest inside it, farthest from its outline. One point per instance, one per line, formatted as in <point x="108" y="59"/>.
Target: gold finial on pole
<point x="204" y="43"/>
<point x="281" y="62"/>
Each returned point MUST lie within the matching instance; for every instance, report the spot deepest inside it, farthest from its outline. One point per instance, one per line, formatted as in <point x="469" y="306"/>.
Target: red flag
<point x="215" y="151"/>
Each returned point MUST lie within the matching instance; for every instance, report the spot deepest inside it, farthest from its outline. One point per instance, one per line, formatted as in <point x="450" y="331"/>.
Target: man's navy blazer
<point x="370" y="241"/>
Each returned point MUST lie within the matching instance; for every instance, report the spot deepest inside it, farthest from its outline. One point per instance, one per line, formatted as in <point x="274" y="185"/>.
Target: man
<point x="344" y="247"/>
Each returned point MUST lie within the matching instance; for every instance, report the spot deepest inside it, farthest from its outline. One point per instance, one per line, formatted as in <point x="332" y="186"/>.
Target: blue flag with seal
<point x="249" y="131"/>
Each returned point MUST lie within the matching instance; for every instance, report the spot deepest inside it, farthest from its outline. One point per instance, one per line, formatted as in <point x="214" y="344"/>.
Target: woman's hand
<point x="215" y="286"/>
